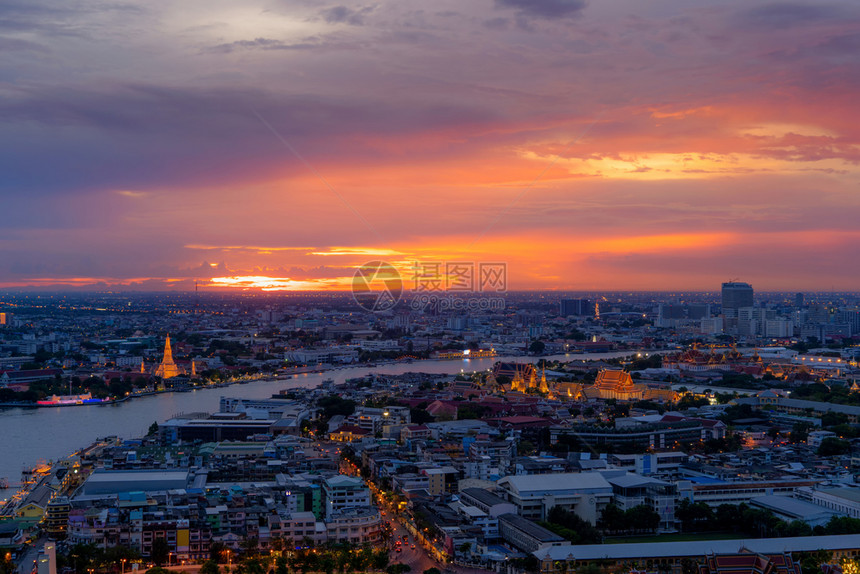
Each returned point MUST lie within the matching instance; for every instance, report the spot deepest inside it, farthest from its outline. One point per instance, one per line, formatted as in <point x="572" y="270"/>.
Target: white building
<point x="779" y="328"/>
<point x="585" y="493"/>
<point x="711" y="325"/>
<point x="354" y="525"/>
<point x="296" y="527"/>
<point x="342" y="492"/>
<point x="815" y="438"/>
<point x="843" y="500"/>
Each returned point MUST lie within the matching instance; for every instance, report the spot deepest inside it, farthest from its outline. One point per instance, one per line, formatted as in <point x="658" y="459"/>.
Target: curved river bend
<point x="45" y="434"/>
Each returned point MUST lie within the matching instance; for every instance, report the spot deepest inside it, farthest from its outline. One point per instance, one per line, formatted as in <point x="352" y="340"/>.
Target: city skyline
<point x="280" y="144"/>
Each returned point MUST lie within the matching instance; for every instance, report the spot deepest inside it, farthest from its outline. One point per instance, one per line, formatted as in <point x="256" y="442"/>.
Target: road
<point x="418" y="558"/>
<point x="27" y="561"/>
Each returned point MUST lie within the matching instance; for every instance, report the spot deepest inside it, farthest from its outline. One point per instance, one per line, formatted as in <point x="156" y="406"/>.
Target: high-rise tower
<point x="736" y="296"/>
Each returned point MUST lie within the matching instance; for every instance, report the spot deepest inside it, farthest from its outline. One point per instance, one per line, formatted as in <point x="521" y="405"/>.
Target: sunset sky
<point x="595" y="144"/>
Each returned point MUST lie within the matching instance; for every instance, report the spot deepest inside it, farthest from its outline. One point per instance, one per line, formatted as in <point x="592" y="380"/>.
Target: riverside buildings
<point x="471" y="459"/>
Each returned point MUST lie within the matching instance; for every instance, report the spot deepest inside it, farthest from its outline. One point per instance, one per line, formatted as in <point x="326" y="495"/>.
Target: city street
<point x="418" y="558"/>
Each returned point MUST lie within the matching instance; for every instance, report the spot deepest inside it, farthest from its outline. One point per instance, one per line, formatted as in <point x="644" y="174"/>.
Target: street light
<point x="122" y="566"/>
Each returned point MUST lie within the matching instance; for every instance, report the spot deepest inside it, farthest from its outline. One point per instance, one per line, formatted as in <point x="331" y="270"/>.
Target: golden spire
<point x="167" y="369"/>
<point x="168" y="352"/>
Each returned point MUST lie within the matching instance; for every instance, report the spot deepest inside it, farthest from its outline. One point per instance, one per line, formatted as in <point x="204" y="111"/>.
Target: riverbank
<point x="284" y="375"/>
<point x="64" y="430"/>
<point x="147" y="393"/>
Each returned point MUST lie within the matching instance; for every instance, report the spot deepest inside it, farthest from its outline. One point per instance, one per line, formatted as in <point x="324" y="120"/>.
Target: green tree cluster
<point x="570" y="526"/>
<point x="639" y="519"/>
<point x="754" y="522"/>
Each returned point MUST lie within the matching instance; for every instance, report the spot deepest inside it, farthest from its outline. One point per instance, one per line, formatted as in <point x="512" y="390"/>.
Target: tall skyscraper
<point x="736" y="295"/>
<point x="567" y="307"/>
<point x="798" y="300"/>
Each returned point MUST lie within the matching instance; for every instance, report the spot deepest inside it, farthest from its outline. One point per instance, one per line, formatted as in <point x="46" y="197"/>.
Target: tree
<point x="210" y="567"/>
<point x="433" y="571"/>
<point x="327" y="564"/>
<point x="842" y="525"/>
<point x="153" y="429"/>
<point x="380" y="559"/>
<point x="160" y="551"/>
<point x="832" y="446"/>
<point x="531" y="563"/>
<point x="693" y="515"/>
<point x="253" y="566"/>
<point x="795" y="528"/>
<point x="216" y="551"/>
<point x="642" y="517"/>
<point x="398" y="568"/>
<point x="612" y="519"/>
<point x="419" y="415"/>
<point x="689" y="401"/>
<point x="810" y="562"/>
<point x="251" y="545"/>
<point x="537" y="347"/>
<point x="570" y="526"/>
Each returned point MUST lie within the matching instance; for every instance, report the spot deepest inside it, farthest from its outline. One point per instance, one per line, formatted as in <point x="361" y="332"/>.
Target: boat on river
<point x="69" y="400"/>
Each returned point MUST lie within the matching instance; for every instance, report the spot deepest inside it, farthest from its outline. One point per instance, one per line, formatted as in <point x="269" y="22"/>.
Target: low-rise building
<point x="585" y="493"/>
<point x="354" y="525"/>
<point x="790" y="509"/>
<point x="486" y="501"/>
<point x="525" y="534"/>
<point x="844" y="500"/>
<point x="342" y="492"/>
<point x="670" y="557"/>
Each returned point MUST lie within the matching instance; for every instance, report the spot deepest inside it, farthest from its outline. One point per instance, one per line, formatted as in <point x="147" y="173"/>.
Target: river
<point x="45" y="434"/>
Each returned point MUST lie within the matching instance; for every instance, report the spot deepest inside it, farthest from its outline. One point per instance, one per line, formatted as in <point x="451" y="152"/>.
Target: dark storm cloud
<point x="497" y="24"/>
<point x="58" y="19"/>
<point x="150" y="135"/>
<point x="784" y="15"/>
<point x="205" y="113"/>
<point x="545" y="8"/>
<point x="843" y="48"/>
<point x="344" y="15"/>
<point x="262" y="44"/>
<point x="13" y="45"/>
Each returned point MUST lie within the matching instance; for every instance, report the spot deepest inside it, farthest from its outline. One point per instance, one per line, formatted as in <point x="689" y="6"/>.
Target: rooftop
<point x="530" y="528"/>
<point x="484" y="496"/>
<point x="553" y="482"/>
<point x="698" y="548"/>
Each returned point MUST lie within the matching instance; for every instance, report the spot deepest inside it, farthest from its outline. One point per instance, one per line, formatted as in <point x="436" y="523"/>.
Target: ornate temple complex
<point x="727" y="360"/>
<point x="609" y="384"/>
<point x="615" y="384"/>
<point x="168" y="369"/>
<point x="523" y="377"/>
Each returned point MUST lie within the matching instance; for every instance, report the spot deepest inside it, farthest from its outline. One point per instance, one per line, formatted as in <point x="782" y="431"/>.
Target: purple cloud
<point x="548" y="9"/>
